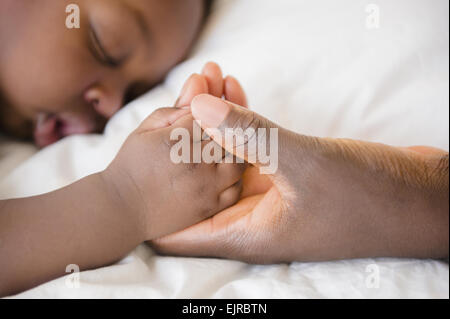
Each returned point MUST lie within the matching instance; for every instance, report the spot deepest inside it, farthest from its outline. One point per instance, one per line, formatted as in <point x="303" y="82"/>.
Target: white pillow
<point x="316" y="68"/>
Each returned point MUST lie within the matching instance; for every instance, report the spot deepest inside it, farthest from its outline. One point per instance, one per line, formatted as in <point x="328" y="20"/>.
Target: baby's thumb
<point x="242" y="132"/>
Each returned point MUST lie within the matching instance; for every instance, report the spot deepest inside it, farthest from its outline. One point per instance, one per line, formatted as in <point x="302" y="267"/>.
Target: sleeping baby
<point x="329" y="199"/>
<point x="55" y="82"/>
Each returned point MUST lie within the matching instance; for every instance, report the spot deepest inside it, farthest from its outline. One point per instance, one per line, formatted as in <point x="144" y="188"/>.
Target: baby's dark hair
<point x="208" y="6"/>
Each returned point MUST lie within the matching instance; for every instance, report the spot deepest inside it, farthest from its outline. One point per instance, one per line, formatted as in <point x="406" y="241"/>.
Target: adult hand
<point x="329" y="199"/>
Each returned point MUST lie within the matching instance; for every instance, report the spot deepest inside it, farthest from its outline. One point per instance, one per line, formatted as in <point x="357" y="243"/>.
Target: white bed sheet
<point x="313" y="67"/>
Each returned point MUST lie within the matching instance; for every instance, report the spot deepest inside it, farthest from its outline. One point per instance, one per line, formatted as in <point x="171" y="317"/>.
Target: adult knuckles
<point x="241" y="119"/>
<point x="247" y="129"/>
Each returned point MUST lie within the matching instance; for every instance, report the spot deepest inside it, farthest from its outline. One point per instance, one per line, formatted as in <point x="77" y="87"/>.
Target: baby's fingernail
<point x="210" y="110"/>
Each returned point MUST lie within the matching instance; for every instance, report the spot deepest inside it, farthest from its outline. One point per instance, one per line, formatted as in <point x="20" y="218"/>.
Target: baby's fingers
<point x="195" y="85"/>
<point x="230" y="196"/>
<point x="161" y="118"/>
<point x="213" y="75"/>
<point x="234" y="92"/>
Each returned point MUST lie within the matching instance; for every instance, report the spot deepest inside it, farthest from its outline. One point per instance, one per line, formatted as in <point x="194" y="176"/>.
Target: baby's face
<point x="56" y="81"/>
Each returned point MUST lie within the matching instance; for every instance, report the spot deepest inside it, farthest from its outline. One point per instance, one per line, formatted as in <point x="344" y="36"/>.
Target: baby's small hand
<point x="165" y="196"/>
<point x="211" y="81"/>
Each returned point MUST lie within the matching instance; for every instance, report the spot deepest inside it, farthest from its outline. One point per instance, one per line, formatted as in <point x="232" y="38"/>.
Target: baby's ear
<point x="162" y="118"/>
<point x="195" y="85"/>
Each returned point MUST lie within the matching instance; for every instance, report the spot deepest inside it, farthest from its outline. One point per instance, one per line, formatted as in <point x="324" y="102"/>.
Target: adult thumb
<point x="240" y="131"/>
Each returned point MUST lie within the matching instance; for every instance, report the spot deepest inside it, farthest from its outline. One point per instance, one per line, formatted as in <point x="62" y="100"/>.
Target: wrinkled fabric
<point x="315" y="67"/>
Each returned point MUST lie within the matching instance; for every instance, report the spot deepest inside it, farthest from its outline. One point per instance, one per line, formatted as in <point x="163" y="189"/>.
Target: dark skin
<point x="99" y="219"/>
<point x="329" y="199"/>
<point x="49" y="69"/>
<point x="83" y="76"/>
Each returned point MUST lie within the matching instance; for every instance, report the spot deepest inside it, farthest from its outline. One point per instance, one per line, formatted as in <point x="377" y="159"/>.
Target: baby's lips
<point x="51" y="128"/>
<point x="71" y="125"/>
<point x="45" y="132"/>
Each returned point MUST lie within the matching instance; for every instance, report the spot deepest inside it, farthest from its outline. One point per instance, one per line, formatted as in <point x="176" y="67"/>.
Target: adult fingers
<point x="238" y="130"/>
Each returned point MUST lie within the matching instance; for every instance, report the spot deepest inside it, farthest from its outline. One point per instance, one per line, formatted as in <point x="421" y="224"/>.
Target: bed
<point x="368" y="70"/>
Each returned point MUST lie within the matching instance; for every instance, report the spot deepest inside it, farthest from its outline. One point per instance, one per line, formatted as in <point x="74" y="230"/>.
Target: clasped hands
<point x="328" y="199"/>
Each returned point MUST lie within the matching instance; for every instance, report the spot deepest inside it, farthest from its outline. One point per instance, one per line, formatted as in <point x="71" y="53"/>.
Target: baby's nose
<point x="104" y="102"/>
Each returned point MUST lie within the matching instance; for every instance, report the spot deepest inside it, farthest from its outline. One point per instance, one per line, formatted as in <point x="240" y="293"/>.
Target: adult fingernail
<point x="210" y="110"/>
